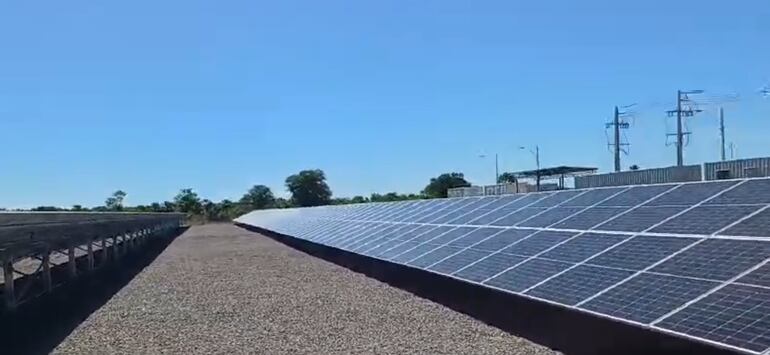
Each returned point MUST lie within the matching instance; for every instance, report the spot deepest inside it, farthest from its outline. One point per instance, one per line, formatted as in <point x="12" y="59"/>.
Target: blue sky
<point x="154" y="96"/>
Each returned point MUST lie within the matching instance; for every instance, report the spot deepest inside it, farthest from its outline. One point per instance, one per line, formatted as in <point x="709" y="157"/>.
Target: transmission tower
<point x="617" y="124"/>
<point x="685" y="107"/>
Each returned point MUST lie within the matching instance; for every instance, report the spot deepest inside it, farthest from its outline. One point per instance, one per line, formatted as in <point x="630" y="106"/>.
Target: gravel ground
<point x="219" y="289"/>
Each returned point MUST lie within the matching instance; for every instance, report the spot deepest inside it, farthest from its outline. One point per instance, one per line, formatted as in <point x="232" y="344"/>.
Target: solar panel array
<point x="689" y="259"/>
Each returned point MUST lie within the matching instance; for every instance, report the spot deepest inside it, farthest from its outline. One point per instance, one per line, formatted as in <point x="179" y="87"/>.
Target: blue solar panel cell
<point x="646" y="297"/>
<point x="503" y="239"/>
<point x="538" y="243"/>
<point x="690" y="194"/>
<point x="640" y="252"/>
<point x="380" y="249"/>
<point x="751" y="191"/>
<point x="414" y="232"/>
<point x="451" y="235"/>
<point x="431" y="234"/>
<point x="488" y="267"/>
<point x="639" y="219"/>
<point x="736" y="315"/>
<point x="636" y="195"/>
<point x="716" y="259"/>
<point x="515" y="217"/>
<point x="527" y="274"/>
<point x="394" y="252"/>
<point x="592" y="197"/>
<point x="459" y="204"/>
<point x="578" y="284"/>
<point x="550" y="217"/>
<point x="757" y="225"/>
<point x="557" y="198"/>
<point x="475" y="237"/>
<point x="458" y="261"/>
<point x="704" y="219"/>
<point x="413" y="253"/>
<point x="434" y="256"/>
<point x="455" y="213"/>
<point x="582" y="247"/>
<point x="759" y="277"/>
<point x="590" y="217"/>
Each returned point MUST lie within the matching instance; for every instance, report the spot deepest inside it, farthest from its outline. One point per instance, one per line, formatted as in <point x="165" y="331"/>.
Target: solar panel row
<point x="689" y="259"/>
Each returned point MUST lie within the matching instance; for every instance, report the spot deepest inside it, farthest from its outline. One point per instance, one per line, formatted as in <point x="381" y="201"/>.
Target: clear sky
<point x="153" y="96"/>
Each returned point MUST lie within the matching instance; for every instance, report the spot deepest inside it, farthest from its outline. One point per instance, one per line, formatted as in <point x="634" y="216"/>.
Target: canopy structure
<point x="558" y="172"/>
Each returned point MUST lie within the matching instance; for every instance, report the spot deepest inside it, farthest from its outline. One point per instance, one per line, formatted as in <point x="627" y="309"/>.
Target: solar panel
<point x="648" y="296"/>
<point x="527" y="274"/>
<point x="582" y="247"/>
<point x="578" y="284"/>
<point x="736" y="315"/>
<point x="488" y="266"/>
<point x="688" y="258"/>
<point x="590" y="217"/>
<point x="457" y="261"/>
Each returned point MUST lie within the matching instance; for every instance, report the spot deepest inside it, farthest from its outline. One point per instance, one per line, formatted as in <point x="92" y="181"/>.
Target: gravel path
<point x="219" y="289"/>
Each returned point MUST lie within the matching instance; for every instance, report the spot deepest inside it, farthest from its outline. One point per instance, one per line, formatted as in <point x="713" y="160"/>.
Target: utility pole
<point x="497" y="171"/>
<point x="537" y="163"/>
<point x="722" y="131"/>
<point x="618" y="123"/>
<point x="680" y="113"/>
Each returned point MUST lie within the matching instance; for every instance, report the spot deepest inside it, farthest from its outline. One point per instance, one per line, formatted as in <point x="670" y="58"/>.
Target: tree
<point x="309" y="188"/>
<point x="282" y="203"/>
<point x="78" y="208"/>
<point x="258" y="197"/>
<point x="47" y="209"/>
<point x="438" y="186"/>
<point x="359" y="199"/>
<point x="506" y="178"/>
<point x="115" y="202"/>
<point x="187" y="201"/>
<point x="633" y="167"/>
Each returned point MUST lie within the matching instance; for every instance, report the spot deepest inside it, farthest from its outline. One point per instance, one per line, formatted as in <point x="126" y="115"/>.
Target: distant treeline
<point x="307" y="188"/>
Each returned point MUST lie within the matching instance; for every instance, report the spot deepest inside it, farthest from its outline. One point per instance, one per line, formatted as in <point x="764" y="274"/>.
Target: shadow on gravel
<point x="565" y="330"/>
<point x="39" y="325"/>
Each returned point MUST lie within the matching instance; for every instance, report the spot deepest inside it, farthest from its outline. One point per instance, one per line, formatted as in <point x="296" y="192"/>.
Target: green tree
<point x="258" y="197"/>
<point x="78" y="208"/>
<point x="438" y="186"/>
<point x="187" y="201"/>
<point x="309" y="188"/>
<point x="115" y="202"/>
<point x="506" y="178"/>
<point x="282" y="203"/>
<point x="359" y="199"/>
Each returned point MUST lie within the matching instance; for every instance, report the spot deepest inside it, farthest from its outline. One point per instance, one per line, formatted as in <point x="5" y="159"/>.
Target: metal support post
<point x="90" y="250"/>
<point x="10" y="293"/>
<point x="46" y="260"/>
<point x="71" y="266"/>
<point x="105" y="252"/>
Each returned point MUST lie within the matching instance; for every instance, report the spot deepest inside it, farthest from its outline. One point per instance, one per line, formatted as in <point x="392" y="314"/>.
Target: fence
<point x="637" y="177"/>
<point x="733" y="169"/>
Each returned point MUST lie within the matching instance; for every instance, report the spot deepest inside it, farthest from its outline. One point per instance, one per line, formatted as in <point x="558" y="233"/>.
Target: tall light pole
<point x="536" y="153"/>
<point x="497" y="167"/>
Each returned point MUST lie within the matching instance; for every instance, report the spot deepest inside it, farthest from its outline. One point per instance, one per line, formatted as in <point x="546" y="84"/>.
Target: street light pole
<point x="497" y="170"/>
<point x="536" y="153"/>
